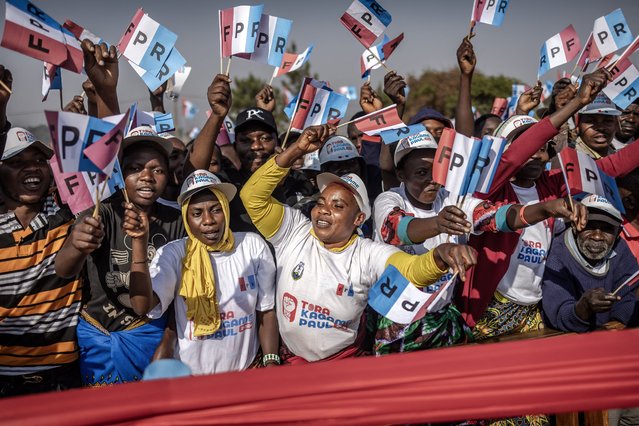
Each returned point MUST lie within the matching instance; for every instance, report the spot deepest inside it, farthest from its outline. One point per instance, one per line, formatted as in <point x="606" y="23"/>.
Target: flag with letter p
<point x="396" y="298"/>
<point x="611" y="33"/>
<point x="271" y="40"/>
<point x="376" y="122"/>
<point x="489" y="12"/>
<point x="238" y="29"/>
<point x="559" y="49"/>
<point x="366" y="20"/>
<point x="582" y="175"/>
<point x="624" y="88"/>
<point x="292" y="61"/>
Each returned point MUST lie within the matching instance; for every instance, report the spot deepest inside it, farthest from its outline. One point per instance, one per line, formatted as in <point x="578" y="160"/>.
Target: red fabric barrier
<point x="559" y="374"/>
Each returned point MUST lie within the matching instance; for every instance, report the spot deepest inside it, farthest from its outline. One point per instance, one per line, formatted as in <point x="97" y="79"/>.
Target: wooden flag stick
<point x="228" y="67"/>
<point x="379" y="61"/>
<point x="270" y="82"/>
<point x="5" y="87"/>
<point x="97" y="201"/>
<point x="368" y="77"/>
<point x="290" y="123"/>
<point x="61" y="101"/>
<point x="625" y="283"/>
<point x="347" y="123"/>
<point x="470" y="30"/>
<point x="126" y="196"/>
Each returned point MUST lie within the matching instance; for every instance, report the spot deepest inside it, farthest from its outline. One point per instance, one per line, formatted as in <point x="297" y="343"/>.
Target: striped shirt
<point x="38" y="310"/>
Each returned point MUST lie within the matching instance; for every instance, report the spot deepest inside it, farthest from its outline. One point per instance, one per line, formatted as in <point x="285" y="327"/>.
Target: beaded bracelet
<point x="270" y="358"/>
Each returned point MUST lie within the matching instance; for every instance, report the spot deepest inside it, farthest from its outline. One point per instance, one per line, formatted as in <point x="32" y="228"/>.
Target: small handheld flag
<point x="559" y="49"/>
<point x="366" y="20"/>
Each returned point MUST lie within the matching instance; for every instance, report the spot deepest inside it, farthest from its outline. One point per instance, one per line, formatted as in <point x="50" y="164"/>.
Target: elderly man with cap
<point x="38" y="349"/>
<point x="597" y="123"/>
<point x="326" y="269"/>
<point x="222" y="283"/>
<point x="418" y="216"/>
<point x="584" y="270"/>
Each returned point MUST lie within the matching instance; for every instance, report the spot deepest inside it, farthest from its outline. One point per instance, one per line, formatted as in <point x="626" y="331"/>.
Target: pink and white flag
<point x="559" y="49"/>
<point x="292" y="61"/>
<point x="366" y="20"/>
<point x="239" y="26"/>
<point x="376" y="122"/>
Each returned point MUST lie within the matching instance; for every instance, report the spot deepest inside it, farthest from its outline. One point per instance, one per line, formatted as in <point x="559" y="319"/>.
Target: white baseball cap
<point x="354" y="183"/>
<point x="148" y="135"/>
<point x="601" y="105"/>
<point x="311" y="161"/>
<point x="337" y="148"/>
<point x="421" y="140"/>
<point x="19" y="139"/>
<point x="599" y="208"/>
<point x="514" y="126"/>
<point x="202" y="179"/>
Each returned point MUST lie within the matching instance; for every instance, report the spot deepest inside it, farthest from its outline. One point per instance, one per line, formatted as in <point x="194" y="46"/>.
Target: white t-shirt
<point x="322" y="294"/>
<point x="386" y="202"/>
<point x="244" y="280"/>
<point x="522" y="281"/>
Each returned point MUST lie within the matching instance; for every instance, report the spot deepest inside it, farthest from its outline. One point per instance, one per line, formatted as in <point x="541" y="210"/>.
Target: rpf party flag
<point x="292" y="61"/>
<point x="317" y="104"/>
<point x="463" y="157"/>
<point x="146" y="43"/>
<point x="238" y="29"/>
<point x="51" y="79"/>
<point x="176" y="82"/>
<point x="189" y="110"/>
<point x="490" y="154"/>
<point x="73" y="133"/>
<point x="629" y="282"/>
<point x="396" y="298"/>
<point x="611" y="33"/>
<point x="374" y="57"/>
<point x="103" y="153"/>
<point x="442" y="156"/>
<point x="546" y="89"/>
<point x="394" y="135"/>
<point x="30" y="31"/>
<point x="624" y="88"/>
<point x="155" y="78"/>
<point x="588" y="54"/>
<point x="78" y="189"/>
<point x="517" y="91"/>
<point x="500" y="106"/>
<point x="226" y="136"/>
<point x="376" y="122"/>
<point x="491" y="12"/>
<point x="582" y="175"/>
<point x="163" y="122"/>
<point x="559" y="49"/>
<point x="366" y="20"/>
<point x="270" y="42"/>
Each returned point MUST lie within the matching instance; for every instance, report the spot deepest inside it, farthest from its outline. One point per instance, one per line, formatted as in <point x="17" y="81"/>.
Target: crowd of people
<point x="259" y="254"/>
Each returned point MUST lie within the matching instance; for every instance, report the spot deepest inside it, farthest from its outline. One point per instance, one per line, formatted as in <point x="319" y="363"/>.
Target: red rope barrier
<point x="560" y="374"/>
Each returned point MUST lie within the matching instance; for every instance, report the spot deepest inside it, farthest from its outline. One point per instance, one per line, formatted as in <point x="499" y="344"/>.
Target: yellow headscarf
<point x="198" y="279"/>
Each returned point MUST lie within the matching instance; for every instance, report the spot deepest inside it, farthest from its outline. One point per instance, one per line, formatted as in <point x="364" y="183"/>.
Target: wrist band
<point x="521" y="216"/>
<point x="137" y="262"/>
<point x="270" y="358"/>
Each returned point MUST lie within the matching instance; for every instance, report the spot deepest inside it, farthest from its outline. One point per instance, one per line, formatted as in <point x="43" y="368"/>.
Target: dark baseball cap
<point x="255" y="115"/>
<point x="430" y="114"/>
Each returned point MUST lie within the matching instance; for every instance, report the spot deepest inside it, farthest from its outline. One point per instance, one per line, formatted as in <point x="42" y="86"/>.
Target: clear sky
<point x="433" y="30"/>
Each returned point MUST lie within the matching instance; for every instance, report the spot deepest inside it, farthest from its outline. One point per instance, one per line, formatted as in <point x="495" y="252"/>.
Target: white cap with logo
<point x="421" y="140"/>
<point x="202" y="179"/>
<point x="337" y="148"/>
<point x="514" y="126"/>
<point x="19" y="139"/>
<point x="601" y="105"/>
<point x="599" y="208"/>
<point x="146" y="133"/>
<point x="351" y="181"/>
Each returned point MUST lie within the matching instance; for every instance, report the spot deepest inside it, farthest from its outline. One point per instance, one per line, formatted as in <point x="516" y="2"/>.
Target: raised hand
<point x="466" y="58"/>
<point x="592" y="84"/>
<point x="101" y="65"/>
<point x="87" y="234"/>
<point x="265" y="98"/>
<point x="394" y="86"/>
<point x="135" y="223"/>
<point x="219" y="95"/>
<point x="313" y="137"/>
<point x="458" y="257"/>
<point x="369" y="100"/>
<point x="560" y="208"/>
<point x="451" y="220"/>
<point x="76" y="105"/>
<point x="529" y="100"/>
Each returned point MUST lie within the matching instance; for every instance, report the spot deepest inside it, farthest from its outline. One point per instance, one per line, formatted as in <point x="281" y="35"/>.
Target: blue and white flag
<point x="611" y="33"/>
<point x="271" y="41"/>
<point x="394" y="135"/>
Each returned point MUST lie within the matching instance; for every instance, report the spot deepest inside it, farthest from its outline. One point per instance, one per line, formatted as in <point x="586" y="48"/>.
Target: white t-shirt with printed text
<point x="321" y="295"/>
<point x="245" y="283"/>
<point x="522" y="281"/>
